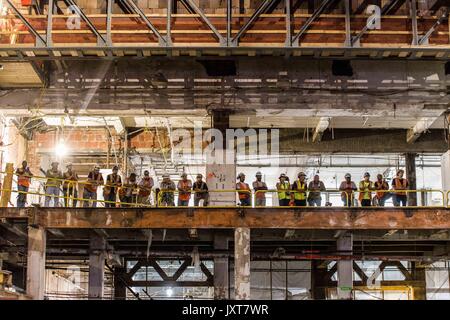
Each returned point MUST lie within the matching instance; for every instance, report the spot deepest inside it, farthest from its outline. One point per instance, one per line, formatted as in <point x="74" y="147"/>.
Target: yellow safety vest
<point x="366" y="195"/>
<point x="300" y="193"/>
<point x="283" y="194"/>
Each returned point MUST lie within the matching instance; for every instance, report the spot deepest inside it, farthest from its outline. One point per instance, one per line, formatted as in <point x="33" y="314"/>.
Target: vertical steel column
<point x="413" y="8"/>
<point x="221" y="270"/>
<point x="96" y="266"/>
<point x="48" y="35"/>
<point x="410" y="163"/>
<point x="288" y="42"/>
<point x="229" y="17"/>
<point x="169" y="23"/>
<point x="348" y="31"/>
<point x="109" y="23"/>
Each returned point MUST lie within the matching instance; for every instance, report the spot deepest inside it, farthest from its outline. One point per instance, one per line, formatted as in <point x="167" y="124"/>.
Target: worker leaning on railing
<point x="70" y="186"/>
<point x="299" y="189"/>
<point x="24" y="176"/>
<point x="145" y="188"/>
<point x="260" y="188"/>
<point x="315" y="187"/>
<point x="348" y="187"/>
<point x="95" y="179"/>
<point x="400" y="184"/>
<point x="200" y="191"/>
<point x="53" y="185"/>
<point x="113" y="183"/>
<point x="382" y="194"/>
<point x="244" y="191"/>
<point x="283" y="187"/>
<point x="128" y="192"/>
<point x="365" y="191"/>
<point x="166" y="195"/>
<point x="184" y="190"/>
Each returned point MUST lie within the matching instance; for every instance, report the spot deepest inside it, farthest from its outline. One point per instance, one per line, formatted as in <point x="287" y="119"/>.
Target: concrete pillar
<point x="319" y="279"/>
<point x="345" y="267"/>
<point x="419" y="278"/>
<point x="221" y="273"/>
<point x="221" y="176"/>
<point x="410" y="163"/>
<point x="242" y="263"/>
<point x="96" y="266"/>
<point x="36" y="262"/>
<point x="120" y="289"/>
<point x="445" y="171"/>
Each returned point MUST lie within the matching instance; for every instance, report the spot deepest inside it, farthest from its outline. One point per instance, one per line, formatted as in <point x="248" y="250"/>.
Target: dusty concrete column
<point x="242" y="263"/>
<point x="7" y="185"/>
<point x="36" y="262"/>
<point x="221" y="175"/>
<point x="420" y="284"/>
<point x="318" y="280"/>
<point x="96" y="266"/>
<point x="120" y="290"/>
<point x="221" y="290"/>
<point x="345" y="267"/>
<point x="410" y="162"/>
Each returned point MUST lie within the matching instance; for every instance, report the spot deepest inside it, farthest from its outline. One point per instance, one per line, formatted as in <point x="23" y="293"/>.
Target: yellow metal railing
<point x="442" y="199"/>
<point x="274" y="195"/>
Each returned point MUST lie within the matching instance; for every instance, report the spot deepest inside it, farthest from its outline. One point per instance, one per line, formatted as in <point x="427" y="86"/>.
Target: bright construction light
<point x="169" y="292"/>
<point x="61" y="149"/>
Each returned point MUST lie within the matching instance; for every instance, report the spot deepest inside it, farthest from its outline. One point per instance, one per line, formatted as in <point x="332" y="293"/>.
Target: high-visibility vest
<point x="246" y="190"/>
<point x="23" y="180"/>
<point x="400" y="186"/>
<point x="300" y="193"/>
<point x="364" y="192"/>
<point x="381" y="186"/>
<point x="92" y="186"/>
<point x="283" y="186"/>
<point x="185" y="195"/>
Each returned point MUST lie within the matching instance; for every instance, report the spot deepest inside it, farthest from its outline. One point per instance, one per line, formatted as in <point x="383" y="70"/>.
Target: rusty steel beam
<point x="204" y="218"/>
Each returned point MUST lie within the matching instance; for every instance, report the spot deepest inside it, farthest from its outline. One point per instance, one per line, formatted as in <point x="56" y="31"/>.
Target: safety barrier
<point x="261" y="198"/>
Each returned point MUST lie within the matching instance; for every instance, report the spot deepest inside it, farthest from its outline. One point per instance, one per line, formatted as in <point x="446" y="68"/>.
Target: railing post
<point x="7" y="185"/>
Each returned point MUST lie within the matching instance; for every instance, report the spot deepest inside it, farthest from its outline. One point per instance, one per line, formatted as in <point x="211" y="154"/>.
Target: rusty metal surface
<point x="323" y="218"/>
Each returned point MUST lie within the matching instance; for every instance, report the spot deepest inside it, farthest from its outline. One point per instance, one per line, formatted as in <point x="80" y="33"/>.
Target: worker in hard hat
<point x="400" y="184"/>
<point x="382" y="190"/>
<point x="348" y="187"/>
<point x="166" y="195"/>
<point x="283" y="187"/>
<point x="201" y="191"/>
<point x="70" y="186"/>
<point x="23" y="183"/>
<point x="315" y="188"/>
<point x="53" y="184"/>
<point x="128" y="192"/>
<point x="244" y="191"/>
<point x="365" y="191"/>
<point x="95" y="179"/>
<point x="112" y="186"/>
<point x="260" y="187"/>
<point x="145" y="188"/>
<point x="184" y="188"/>
<point x="299" y="190"/>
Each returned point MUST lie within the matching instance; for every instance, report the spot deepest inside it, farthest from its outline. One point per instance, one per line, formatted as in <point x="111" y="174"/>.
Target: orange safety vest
<point x="23" y="180"/>
<point x="244" y="187"/>
<point x="380" y="194"/>
<point x="400" y="186"/>
<point x="184" y="195"/>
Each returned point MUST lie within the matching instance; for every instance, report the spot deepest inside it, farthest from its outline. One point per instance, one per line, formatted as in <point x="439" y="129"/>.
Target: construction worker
<point x="145" y="188"/>
<point x="381" y="186"/>
<point x="113" y="183"/>
<point x="167" y="192"/>
<point x="299" y="189"/>
<point x="314" y="195"/>
<point x="23" y="183"/>
<point x="244" y="192"/>
<point x="185" y="188"/>
<point x="201" y="191"/>
<point x="70" y="186"/>
<point x="365" y="191"/>
<point x="53" y="184"/>
<point x="261" y="186"/>
<point x="95" y="179"/>
<point x="128" y="193"/>
<point x="398" y="184"/>
<point x="348" y="187"/>
<point x="283" y="188"/>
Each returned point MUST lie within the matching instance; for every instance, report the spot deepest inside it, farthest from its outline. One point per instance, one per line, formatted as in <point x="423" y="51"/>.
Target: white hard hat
<point x="259" y="173"/>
